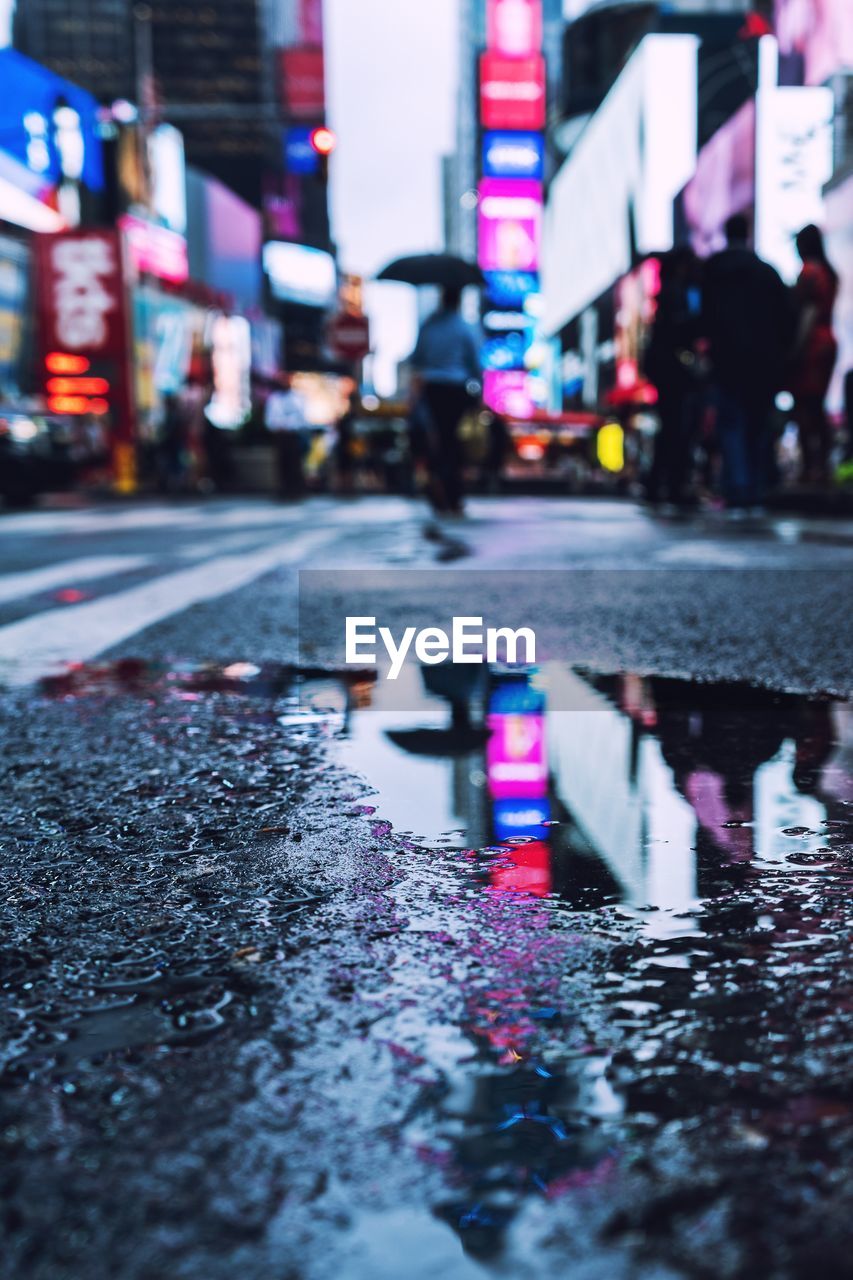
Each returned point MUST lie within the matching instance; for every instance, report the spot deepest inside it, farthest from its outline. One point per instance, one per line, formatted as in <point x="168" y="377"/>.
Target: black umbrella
<point x="443" y="269"/>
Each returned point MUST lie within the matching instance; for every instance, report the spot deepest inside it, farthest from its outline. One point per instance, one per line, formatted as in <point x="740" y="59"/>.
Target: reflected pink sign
<point x="514" y="27"/>
<point x="510" y="224"/>
<point x="515" y="755"/>
<point x="507" y="392"/>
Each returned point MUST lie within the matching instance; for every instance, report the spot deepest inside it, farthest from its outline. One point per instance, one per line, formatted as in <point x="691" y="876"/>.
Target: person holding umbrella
<point x="446" y="363"/>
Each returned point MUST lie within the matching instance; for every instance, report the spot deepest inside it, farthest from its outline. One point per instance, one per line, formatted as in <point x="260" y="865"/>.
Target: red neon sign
<point x="62" y="362"/>
<point x="77" y="386"/>
<point x="512" y="92"/>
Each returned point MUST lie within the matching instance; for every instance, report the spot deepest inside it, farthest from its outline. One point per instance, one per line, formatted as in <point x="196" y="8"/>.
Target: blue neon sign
<point x="513" y="155"/>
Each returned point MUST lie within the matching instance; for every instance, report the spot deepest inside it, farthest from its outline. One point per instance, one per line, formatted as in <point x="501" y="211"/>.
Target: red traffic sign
<point x="349" y="336"/>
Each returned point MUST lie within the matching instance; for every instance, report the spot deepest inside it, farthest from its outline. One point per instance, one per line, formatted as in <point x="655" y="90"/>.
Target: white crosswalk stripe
<point x="39" y="644"/>
<point x="17" y="586"/>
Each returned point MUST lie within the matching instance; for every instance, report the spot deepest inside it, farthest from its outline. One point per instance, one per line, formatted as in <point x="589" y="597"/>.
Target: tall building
<point x="231" y="74"/>
<point x="88" y="41"/>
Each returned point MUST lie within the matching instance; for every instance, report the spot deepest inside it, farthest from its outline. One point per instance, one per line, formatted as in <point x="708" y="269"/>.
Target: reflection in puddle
<point x="642" y="886"/>
<point x="699" y="825"/>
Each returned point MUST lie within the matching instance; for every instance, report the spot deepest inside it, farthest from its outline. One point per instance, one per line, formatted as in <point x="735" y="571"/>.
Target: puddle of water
<point x="704" y="830"/>
<point x="701" y="826"/>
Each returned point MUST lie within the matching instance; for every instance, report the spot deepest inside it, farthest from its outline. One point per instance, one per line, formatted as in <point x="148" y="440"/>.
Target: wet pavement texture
<point x="547" y="974"/>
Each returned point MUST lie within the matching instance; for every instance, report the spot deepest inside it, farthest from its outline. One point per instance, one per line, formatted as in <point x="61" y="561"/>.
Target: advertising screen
<point x="300" y="274"/>
<point x="504" y="351"/>
<point x="724" y="182"/>
<point x="510" y="224"/>
<point x="514" y="27"/>
<point x="819" y="32"/>
<point x="299" y="156"/>
<point x="48" y="124"/>
<point x="508" y="392"/>
<point x="302" y="75"/>
<point x="154" y="250"/>
<point x="513" y="155"/>
<point x="510" y="288"/>
<point x="512" y="92"/>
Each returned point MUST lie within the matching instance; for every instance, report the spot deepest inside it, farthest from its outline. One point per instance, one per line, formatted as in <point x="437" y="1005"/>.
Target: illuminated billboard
<point x="819" y="33"/>
<point x="512" y="92"/>
<point x="793" y="161"/>
<point x="508" y="392"/>
<point x="510" y="288"/>
<point x="510" y="224"/>
<point x="300" y="274"/>
<point x="514" y="27"/>
<point x="513" y="155"/>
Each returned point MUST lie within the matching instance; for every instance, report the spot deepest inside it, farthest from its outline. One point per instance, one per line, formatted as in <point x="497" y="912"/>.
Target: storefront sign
<point x="155" y="250"/>
<point x="512" y="92"/>
<point x="510" y="224"/>
<point x="514" y="27"/>
<point x="81" y="293"/>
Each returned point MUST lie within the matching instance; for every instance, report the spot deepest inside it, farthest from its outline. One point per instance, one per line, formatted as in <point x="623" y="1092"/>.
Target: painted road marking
<point x="17" y="586"/>
<point x="34" y="646"/>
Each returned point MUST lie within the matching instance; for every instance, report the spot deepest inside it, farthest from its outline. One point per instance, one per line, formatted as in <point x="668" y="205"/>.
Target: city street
<point x="300" y="980"/>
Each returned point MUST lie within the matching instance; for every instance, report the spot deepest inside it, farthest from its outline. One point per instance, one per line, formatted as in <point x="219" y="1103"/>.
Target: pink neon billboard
<point x="510" y="224"/>
<point x="516" y="761"/>
<point x="514" y="27"/>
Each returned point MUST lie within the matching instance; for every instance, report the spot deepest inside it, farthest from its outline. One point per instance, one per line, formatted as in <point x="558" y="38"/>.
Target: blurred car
<point x="41" y="452"/>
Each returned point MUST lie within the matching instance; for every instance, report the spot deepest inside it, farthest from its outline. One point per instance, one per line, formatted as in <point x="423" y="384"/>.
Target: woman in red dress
<point x="815" y="353"/>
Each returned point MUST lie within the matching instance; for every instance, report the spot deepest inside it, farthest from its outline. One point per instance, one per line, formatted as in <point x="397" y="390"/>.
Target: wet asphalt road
<point x="283" y="1000"/>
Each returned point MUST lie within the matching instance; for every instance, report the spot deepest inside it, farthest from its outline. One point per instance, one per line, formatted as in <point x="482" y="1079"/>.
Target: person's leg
<point x="433" y="439"/>
<point x="457" y="403"/>
<point x="813" y="427"/>
<point x="446" y="405"/>
<point x="732" y="436"/>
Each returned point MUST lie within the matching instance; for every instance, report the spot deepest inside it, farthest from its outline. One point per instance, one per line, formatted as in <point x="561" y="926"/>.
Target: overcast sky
<point x="391" y="75"/>
<point x="391" y="72"/>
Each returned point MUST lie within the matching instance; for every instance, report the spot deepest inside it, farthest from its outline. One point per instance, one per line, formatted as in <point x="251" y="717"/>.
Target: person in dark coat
<point x="748" y="321"/>
<point x="672" y="367"/>
<point x="815" y="353"/>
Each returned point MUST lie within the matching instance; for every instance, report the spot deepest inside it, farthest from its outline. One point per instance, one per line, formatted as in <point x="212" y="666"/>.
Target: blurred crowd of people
<point x="730" y="342"/>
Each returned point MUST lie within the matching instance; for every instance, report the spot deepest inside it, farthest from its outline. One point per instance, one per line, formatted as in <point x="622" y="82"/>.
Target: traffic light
<point x="323" y="140"/>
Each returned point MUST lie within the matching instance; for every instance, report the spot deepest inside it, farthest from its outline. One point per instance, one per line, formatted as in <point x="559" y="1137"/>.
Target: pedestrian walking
<point x="747" y="320"/>
<point x="446" y="361"/>
<point x="172" y="444"/>
<point x="285" y="415"/>
<point x="815" y="353"/>
<point x="672" y="366"/>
